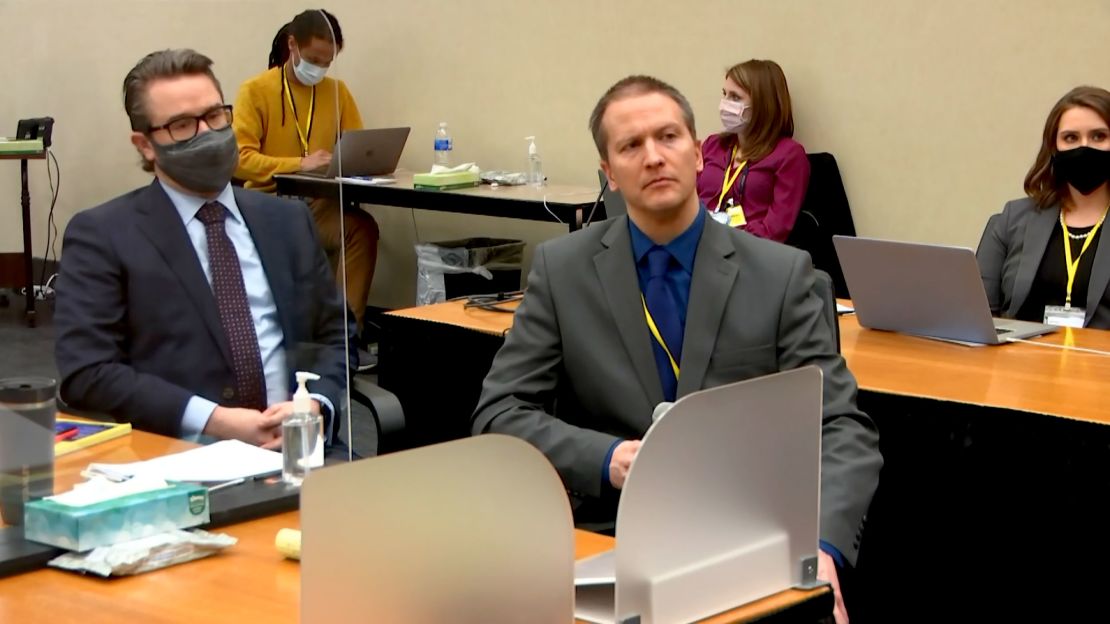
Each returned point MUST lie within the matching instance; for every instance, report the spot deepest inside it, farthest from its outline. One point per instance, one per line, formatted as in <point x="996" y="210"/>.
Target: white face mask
<point x="308" y="73"/>
<point x="732" y="114"/>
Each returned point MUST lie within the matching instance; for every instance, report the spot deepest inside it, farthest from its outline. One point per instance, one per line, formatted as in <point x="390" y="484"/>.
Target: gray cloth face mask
<point x="204" y="163"/>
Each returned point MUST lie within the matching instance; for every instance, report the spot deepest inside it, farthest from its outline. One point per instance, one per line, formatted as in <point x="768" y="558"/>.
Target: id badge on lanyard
<point x="1064" y="316"/>
<point x="733" y="213"/>
<point x="1067" y="315"/>
<point x="302" y="135"/>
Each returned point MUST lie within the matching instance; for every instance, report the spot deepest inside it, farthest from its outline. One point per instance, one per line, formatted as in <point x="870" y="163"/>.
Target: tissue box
<point x="121" y="519"/>
<point x="445" y="181"/>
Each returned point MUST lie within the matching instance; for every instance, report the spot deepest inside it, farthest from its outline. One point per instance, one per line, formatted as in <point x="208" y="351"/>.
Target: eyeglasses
<point x="186" y="127"/>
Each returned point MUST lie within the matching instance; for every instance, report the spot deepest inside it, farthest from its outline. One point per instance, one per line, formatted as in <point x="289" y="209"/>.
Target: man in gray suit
<point x="641" y="309"/>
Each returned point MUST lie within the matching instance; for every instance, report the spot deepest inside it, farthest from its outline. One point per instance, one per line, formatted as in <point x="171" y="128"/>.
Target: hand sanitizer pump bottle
<point x="535" y="166"/>
<point x="302" y="433"/>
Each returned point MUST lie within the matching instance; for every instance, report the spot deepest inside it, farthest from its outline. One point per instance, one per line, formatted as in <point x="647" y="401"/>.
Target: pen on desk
<point x="266" y="475"/>
<point x="65" y="434"/>
<point x="226" y="484"/>
<point x="93" y="472"/>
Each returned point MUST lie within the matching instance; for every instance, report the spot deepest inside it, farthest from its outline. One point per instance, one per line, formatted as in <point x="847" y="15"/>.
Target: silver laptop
<point x="934" y="291"/>
<point x="370" y="152"/>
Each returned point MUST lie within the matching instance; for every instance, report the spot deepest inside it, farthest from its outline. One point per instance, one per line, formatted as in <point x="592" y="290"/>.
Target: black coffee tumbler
<point x="27" y="413"/>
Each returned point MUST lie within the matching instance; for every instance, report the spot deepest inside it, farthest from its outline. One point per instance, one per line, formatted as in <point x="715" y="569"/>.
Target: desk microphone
<point x="660" y="410"/>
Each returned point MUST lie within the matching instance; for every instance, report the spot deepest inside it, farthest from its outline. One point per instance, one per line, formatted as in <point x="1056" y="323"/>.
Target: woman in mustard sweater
<point x="285" y="122"/>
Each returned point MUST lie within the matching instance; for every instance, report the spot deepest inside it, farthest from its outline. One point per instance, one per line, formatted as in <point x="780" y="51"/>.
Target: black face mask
<point x="1084" y="168"/>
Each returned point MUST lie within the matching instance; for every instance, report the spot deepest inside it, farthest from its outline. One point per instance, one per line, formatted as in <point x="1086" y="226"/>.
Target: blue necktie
<point x="664" y="311"/>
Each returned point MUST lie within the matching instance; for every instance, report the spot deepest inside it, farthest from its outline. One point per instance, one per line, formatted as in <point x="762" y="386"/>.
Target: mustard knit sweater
<point x="265" y="124"/>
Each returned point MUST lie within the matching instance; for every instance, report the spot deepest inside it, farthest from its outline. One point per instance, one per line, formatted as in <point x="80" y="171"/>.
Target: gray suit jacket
<point x="577" y="372"/>
<point x="1010" y="254"/>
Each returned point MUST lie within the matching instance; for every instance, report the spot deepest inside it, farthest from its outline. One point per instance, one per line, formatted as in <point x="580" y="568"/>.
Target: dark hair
<point x="157" y="66"/>
<point x="305" y="27"/>
<point x="772" y="116"/>
<point x="630" y="86"/>
<point x="1041" y="183"/>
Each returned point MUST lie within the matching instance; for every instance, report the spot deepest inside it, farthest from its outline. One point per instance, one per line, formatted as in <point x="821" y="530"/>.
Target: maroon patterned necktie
<point x="235" y="311"/>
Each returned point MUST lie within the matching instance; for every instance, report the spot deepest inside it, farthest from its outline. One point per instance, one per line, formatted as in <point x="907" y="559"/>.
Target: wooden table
<point x="997" y="466"/>
<point x="569" y="204"/>
<point x="458" y="314"/>
<point x="1021" y="377"/>
<point x="248" y="582"/>
<point x="1041" y="380"/>
<point x="997" y="459"/>
<point x="25" y="203"/>
<point x="446" y="346"/>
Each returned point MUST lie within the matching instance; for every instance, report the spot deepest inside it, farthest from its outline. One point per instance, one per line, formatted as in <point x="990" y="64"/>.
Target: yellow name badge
<point x="736" y="216"/>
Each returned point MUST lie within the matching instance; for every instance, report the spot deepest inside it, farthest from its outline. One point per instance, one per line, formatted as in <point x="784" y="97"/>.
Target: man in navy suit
<point x="185" y="306"/>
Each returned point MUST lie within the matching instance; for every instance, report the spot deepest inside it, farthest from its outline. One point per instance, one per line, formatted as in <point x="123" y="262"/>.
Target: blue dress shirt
<point x="271" y="340"/>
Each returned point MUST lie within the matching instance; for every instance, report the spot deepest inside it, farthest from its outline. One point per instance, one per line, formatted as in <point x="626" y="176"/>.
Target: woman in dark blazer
<point x="755" y="175"/>
<point x="1045" y="257"/>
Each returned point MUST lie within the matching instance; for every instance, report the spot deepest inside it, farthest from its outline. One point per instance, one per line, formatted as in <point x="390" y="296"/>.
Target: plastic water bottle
<point x="443" y="145"/>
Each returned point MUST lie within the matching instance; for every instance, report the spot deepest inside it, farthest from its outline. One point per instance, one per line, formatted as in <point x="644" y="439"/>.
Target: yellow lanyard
<point x="658" y="337"/>
<point x="303" y="135"/>
<point x="1073" y="267"/>
<point x="726" y="184"/>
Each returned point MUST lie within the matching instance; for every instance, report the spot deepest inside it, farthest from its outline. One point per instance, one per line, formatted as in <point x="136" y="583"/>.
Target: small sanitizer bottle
<point x="535" y="166"/>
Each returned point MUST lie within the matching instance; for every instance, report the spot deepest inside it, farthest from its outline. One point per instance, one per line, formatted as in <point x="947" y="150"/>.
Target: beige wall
<point x="933" y="109"/>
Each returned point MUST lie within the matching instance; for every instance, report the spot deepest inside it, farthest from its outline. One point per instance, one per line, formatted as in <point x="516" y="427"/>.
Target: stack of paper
<point x="222" y="461"/>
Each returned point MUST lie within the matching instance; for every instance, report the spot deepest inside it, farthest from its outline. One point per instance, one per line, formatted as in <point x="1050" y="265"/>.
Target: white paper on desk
<point x="595" y="588"/>
<point x="380" y="181"/>
<point x="844" y="309"/>
<point x="222" y="461"/>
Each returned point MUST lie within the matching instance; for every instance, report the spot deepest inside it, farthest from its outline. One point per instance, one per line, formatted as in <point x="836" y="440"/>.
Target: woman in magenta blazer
<point x="755" y="174"/>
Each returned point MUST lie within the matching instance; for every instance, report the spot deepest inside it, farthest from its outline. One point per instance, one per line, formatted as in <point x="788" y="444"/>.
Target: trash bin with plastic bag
<point x="470" y="266"/>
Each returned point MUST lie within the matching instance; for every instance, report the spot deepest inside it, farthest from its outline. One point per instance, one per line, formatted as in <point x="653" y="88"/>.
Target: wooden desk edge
<point x="562" y="195"/>
<point x="456" y="314"/>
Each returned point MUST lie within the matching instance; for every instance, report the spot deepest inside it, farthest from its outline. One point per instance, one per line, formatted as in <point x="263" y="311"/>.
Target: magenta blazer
<point x="773" y="191"/>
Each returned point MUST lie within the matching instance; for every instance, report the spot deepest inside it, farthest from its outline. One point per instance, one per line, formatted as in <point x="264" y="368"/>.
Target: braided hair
<point x="279" y="50"/>
<point x="306" y="26"/>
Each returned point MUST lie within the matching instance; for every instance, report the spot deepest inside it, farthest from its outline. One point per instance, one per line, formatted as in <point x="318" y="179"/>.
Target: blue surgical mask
<point x="308" y="73"/>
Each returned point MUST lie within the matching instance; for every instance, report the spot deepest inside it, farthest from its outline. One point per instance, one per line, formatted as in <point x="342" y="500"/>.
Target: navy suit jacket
<point x="137" y="327"/>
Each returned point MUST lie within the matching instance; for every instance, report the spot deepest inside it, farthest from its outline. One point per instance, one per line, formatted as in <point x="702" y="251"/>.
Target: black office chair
<point x="825" y="212"/>
<point x="385" y="408"/>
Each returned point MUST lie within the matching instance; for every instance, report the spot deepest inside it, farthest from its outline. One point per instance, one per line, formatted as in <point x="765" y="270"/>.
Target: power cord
<point x="50" y="251"/>
<point x="415" y="229"/>
<point x="555" y="216"/>
<point x="493" y="302"/>
<point x="597" y="201"/>
<point x="1060" y="346"/>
